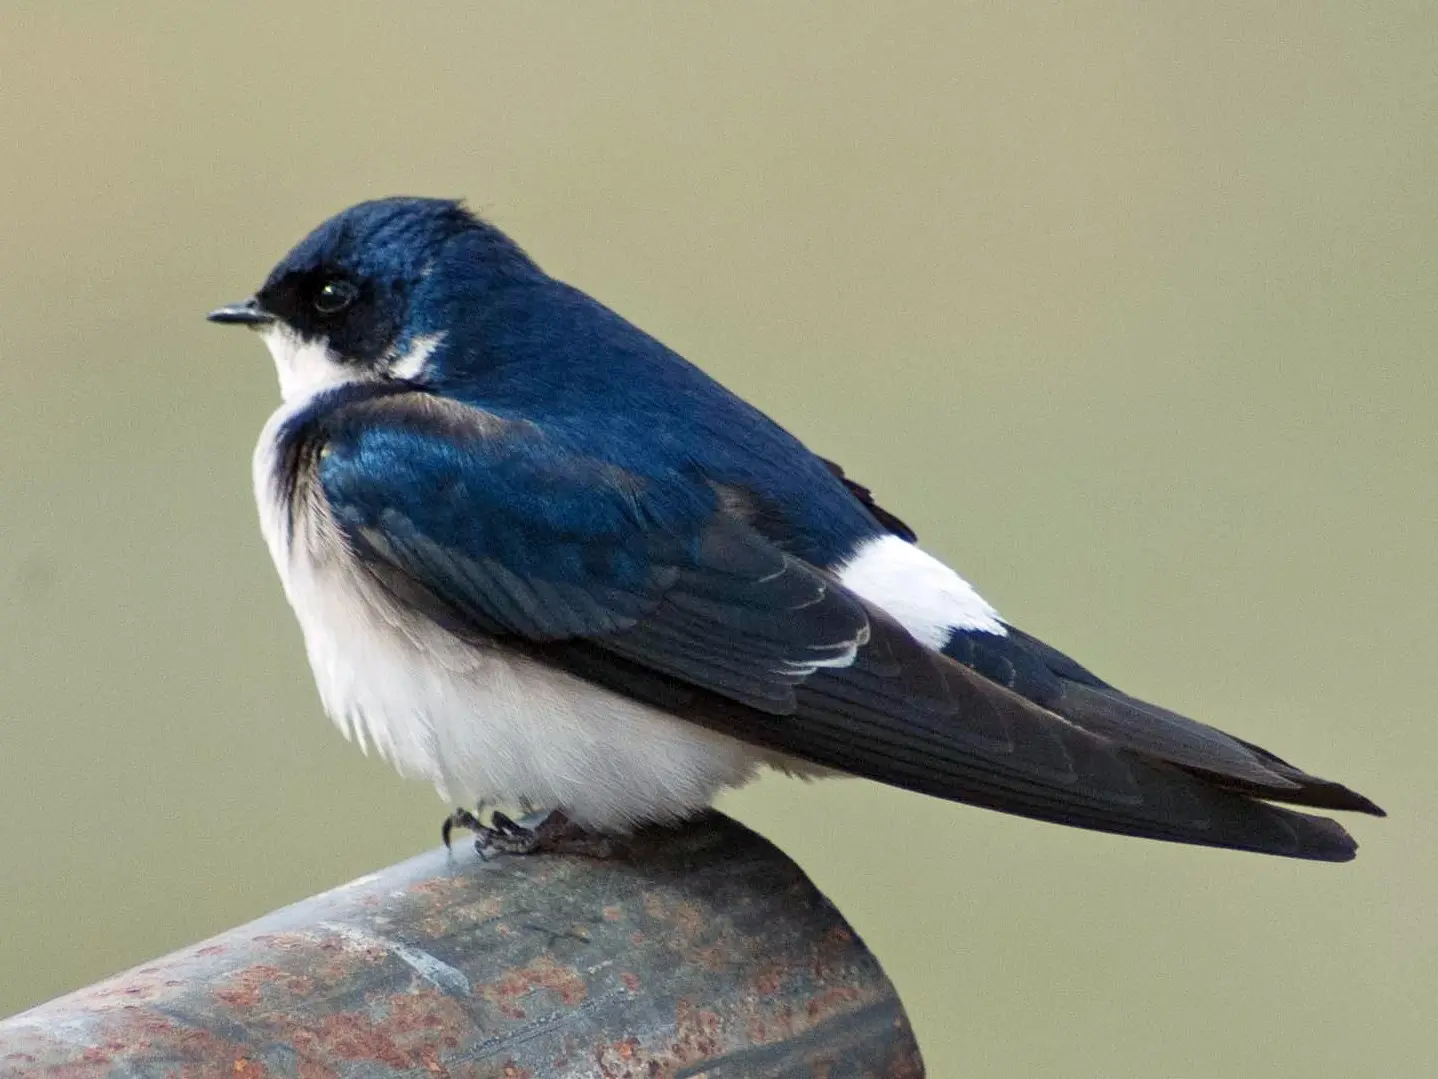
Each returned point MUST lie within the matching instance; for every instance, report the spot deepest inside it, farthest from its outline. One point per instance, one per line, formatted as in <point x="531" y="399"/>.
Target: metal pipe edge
<point x="709" y="954"/>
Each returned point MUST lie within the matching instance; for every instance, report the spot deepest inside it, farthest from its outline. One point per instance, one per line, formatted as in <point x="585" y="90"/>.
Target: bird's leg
<point x="554" y="833"/>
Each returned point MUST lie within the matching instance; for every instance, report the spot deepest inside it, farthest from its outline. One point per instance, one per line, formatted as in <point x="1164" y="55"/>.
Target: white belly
<point x="482" y="722"/>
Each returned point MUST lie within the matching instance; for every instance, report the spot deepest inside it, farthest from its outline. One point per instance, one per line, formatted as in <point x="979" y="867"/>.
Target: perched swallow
<point x="541" y="560"/>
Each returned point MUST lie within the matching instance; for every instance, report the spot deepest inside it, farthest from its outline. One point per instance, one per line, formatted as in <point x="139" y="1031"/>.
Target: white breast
<point x="479" y="722"/>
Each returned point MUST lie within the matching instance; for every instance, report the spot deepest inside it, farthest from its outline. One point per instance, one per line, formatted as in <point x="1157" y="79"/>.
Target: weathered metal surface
<point x="711" y="955"/>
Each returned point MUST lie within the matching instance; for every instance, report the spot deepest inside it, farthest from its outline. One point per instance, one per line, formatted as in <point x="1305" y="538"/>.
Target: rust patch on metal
<point x="768" y="980"/>
<point x="244" y="989"/>
<point x="402" y="1032"/>
<point x="696" y="1033"/>
<point x="448" y="916"/>
<point x="508" y="990"/>
<point x="240" y="997"/>
<point x="831" y="1001"/>
<point x="443" y="888"/>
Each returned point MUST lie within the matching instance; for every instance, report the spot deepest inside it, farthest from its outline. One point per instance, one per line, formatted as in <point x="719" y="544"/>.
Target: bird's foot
<point x="550" y="833"/>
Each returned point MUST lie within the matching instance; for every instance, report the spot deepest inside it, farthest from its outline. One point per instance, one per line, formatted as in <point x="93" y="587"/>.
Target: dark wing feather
<point x="1051" y="679"/>
<point x="1203" y="750"/>
<point x="866" y="496"/>
<point x="904" y="715"/>
<point x="650" y="588"/>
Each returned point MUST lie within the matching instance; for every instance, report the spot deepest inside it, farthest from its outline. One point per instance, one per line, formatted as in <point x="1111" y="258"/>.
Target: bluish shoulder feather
<point x="603" y="388"/>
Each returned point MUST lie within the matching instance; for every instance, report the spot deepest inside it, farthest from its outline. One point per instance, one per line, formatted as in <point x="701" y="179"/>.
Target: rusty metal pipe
<point x="709" y="954"/>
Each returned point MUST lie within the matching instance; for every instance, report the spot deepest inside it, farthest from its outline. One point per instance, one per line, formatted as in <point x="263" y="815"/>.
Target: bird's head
<point x="368" y="295"/>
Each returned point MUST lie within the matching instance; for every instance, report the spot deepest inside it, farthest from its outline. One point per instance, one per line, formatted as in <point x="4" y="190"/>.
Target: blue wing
<point x="489" y="522"/>
<point x="660" y="586"/>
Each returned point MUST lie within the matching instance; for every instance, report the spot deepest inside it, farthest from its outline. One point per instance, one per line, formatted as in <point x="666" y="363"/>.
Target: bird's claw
<point x="460" y="818"/>
<point x="552" y="833"/>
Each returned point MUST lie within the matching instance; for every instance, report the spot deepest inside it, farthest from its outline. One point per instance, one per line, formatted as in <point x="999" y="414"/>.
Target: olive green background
<point x="1128" y="308"/>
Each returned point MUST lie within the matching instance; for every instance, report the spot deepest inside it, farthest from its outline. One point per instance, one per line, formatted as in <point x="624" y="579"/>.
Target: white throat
<point x="305" y="367"/>
<point x="310" y="367"/>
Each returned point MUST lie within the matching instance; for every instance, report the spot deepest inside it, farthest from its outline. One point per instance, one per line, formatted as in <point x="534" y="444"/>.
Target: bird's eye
<point x="334" y="296"/>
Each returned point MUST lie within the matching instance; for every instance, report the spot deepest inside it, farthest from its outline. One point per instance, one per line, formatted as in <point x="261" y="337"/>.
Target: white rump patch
<point x="927" y="598"/>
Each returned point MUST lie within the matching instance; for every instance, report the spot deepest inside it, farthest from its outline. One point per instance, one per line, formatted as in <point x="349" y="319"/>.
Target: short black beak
<point x="247" y="313"/>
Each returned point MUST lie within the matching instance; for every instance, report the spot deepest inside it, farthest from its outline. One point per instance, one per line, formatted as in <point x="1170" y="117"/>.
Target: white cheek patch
<point x="412" y="364"/>
<point x="927" y="598"/>
<point x="305" y="367"/>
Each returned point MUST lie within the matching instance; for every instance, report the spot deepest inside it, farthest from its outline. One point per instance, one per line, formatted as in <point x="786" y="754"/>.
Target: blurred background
<point x="1128" y="308"/>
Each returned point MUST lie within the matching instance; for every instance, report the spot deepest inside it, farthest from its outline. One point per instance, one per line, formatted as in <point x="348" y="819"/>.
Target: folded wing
<point x="648" y="586"/>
